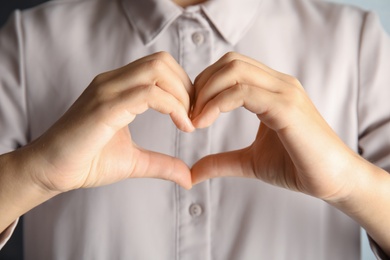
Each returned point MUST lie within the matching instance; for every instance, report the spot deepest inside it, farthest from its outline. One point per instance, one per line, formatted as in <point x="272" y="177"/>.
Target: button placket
<point x="194" y="216"/>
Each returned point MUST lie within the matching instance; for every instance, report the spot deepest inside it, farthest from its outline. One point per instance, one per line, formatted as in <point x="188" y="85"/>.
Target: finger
<point x="230" y="164"/>
<point x="171" y="63"/>
<point x="121" y="110"/>
<point x="161" y="166"/>
<point x="235" y="72"/>
<point x="203" y="77"/>
<point x="166" y="103"/>
<point x="159" y="69"/>
<point x="175" y="67"/>
<point x="259" y="101"/>
<point x="158" y="73"/>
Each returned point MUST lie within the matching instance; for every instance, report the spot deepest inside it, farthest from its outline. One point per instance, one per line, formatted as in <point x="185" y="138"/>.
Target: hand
<point x="91" y="144"/>
<point x="294" y="148"/>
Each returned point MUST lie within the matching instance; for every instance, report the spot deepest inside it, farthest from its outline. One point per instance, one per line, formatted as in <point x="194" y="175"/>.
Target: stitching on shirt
<point x="178" y="151"/>
<point x="177" y="199"/>
<point x="210" y="182"/>
<point x="181" y="61"/>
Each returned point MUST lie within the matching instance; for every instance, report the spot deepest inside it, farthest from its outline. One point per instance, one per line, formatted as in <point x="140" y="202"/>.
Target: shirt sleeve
<point x="374" y="94"/>
<point x="6" y="234"/>
<point x="13" y="109"/>
<point x="378" y="252"/>
<point x="13" y="116"/>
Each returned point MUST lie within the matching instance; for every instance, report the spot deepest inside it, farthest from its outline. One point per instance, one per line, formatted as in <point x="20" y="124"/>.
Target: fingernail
<point x="197" y="122"/>
<point x="189" y="124"/>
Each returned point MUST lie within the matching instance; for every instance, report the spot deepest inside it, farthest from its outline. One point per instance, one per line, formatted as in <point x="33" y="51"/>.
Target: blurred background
<point x="6" y="7"/>
<point x="14" y="248"/>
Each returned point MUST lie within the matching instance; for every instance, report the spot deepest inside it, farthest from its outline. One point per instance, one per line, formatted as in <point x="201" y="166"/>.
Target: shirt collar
<point x="230" y="17"/>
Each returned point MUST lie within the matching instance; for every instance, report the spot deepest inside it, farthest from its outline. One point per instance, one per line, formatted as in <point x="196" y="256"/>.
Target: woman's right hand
<point x="91" y="144"/>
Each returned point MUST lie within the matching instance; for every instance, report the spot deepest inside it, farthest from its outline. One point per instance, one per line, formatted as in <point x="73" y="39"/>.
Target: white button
<point x="197" y="38"/>
<point x="195" y="210"/>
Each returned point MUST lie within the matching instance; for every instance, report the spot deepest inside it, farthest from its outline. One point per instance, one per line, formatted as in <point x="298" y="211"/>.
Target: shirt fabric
<point x="49" y="54"/>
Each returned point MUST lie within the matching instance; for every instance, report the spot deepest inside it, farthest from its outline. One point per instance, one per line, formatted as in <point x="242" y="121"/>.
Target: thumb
<point x="233" y="164"/>
<point x="156" y="165"/>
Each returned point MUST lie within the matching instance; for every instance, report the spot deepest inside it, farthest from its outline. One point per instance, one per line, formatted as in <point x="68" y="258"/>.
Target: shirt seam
<point x="22" y="71"/>
<point x="180" y="61"/>
<point x="177" y="193"/>
<point x="359" y="71"/>
<point x="361" y="132"/>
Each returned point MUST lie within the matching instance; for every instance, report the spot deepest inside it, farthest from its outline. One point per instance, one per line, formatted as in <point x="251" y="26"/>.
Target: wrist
<point x="31" y="169"/>
<point x="20" y="190"/>
<point x="362" y="182"/>
<point x="367" y="202"/>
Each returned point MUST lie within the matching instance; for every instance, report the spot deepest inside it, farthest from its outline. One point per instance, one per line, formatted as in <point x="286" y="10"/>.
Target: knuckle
<point x="229" y="56"/>
<point x="100" y="94"/>
<point x="162" y="55"/>
<point x="292" y="80"/>
<point x="101" y="79"/>
<point x="99" y="88"/>
<point x="235" y="64"/>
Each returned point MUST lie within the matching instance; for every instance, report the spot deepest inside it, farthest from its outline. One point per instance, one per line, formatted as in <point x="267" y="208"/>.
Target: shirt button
<point x="195" y="210"/>
<point x="197" y="38"/>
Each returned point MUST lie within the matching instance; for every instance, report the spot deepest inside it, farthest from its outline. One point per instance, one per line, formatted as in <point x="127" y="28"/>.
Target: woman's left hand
<point x="295" y="148"/>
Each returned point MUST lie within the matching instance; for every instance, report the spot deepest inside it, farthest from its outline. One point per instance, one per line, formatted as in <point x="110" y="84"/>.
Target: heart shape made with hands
<point x="289" y="121"/>
<point x="113" y="100"/>
<point x="233" y="81"/>
<point x="279" y="154"/>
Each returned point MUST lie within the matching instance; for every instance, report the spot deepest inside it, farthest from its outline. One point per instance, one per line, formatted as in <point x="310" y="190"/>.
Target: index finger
<point x="203" y="77"/>
<point x="174" y="66"/>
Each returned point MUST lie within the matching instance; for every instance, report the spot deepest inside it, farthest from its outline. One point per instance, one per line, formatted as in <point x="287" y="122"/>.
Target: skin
<point x="283" y="153"/>
<point x="295" y="148"/>
<point x="185" y="3"/>
<point x="64" y="158"/>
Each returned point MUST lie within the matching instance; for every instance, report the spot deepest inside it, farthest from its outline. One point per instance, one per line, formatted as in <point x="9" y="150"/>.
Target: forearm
<point x="369" y="202"/>
<point x="18" y="191"/>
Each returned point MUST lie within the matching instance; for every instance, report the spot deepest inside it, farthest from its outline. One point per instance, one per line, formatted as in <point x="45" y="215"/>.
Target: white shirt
<point x="51" y="53"/>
